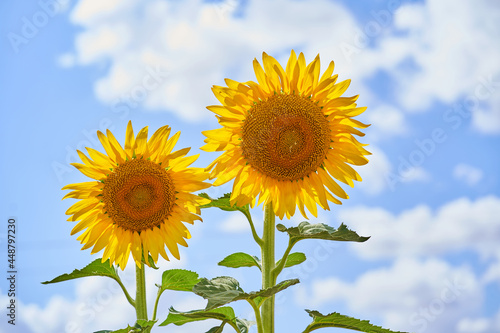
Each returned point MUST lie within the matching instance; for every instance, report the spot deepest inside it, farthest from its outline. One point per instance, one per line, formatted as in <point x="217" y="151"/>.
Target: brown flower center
<point x="285" y="137"/>
<point x="138" y="195"/>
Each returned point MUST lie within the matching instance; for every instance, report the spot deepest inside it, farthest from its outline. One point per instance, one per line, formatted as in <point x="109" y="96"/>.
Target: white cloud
<point x="492" y="274"/>
<point x="386" y="122"/>
<point x="428" y="296"/>
<point x="198" y="43"/>
<point x="99" y="304"/>
<point x="374" y="173"/>
<point x="449" y="49"/>
<point x="66" y="60"/>
<point x="414" y="174"/>
<point x="479" y="325"/>
<point x="452" y="48"/>
<point x="458" y="225"/>
<point x="467" y="325"/>
<point x="447" y="55"/>
<point x="468" y="174"/>
<point x="235" y="223"/>
<point x="487" y="119"/>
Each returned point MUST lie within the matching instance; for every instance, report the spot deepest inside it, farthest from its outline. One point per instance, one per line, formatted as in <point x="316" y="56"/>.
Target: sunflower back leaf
<point x="306" y="230"/>
<point x="341" y="321"/>
<point x="225" y="314"/>
<point x="225" y="289"/>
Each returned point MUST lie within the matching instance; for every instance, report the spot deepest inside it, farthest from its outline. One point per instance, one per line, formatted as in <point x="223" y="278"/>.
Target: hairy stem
<point x="256" y="237"/>
<point x="127" y="295"/>
<point x="140" y="299"/>
<point x="156" y="303"/>
<point x="258" y="318"/>
<point x="279" y="268"/>
<point x="268" y="264"/>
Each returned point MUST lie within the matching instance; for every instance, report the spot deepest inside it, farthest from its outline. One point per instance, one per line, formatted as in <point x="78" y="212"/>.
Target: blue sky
<point x="430" y="197"/>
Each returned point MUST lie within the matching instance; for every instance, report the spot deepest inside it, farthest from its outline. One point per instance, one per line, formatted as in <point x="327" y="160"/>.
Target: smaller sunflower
<point x="287" y="139"/>
<point x="140" y="197"/>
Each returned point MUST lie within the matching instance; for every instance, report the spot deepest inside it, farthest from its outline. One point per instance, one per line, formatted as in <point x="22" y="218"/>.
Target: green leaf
<point x="219" y="291"/>
<point x="139" y="327"/>
<point x="221" y="203"/>
<point x="293" y="259"/>
<point x="216" y="329"/>
<point x="337" y="320"/>
<point x="243" y="325"/>
<point x="178" y="279"/>
<point x="224" y="314"/>
<point x="240" y="259"/>
<point x="224" y="204"/>
<point x="225" y="289"/>
<point x="179" y="318"/>
<point x="142" y="324"/>
<point x="95" y="268"/>
<point x="305" y="230"/>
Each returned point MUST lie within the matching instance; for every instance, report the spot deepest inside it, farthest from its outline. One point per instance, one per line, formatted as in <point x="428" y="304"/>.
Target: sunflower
<point x="139" y="199"/>
<point x="287" y="139"/>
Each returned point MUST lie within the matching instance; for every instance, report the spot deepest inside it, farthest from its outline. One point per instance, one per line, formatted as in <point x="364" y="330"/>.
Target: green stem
<point x="256" y="237"/>
<point x="258" y="318"/>
<point x="156" y="304"/>
<point x="280" y="267"/>
<point x="127" y="295"/>
<point x="268" y="264"/>
<point x="140" y="299"/>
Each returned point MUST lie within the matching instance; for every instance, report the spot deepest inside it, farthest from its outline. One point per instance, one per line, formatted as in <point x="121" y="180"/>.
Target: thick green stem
<point x="268" y="264"/>
<point x="140" y="299"/>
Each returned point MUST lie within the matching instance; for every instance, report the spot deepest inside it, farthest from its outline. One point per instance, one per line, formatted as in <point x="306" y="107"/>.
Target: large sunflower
<point x="139" y="199"/>
<point x="287" y="138"/>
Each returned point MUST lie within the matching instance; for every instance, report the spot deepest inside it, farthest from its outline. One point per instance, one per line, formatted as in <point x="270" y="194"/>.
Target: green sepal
<point x="178" y="279"/>
<point x="241" y="259"/>
<point x="151" y="262"/>
<point x="306" y="230"/>
<point x="293" y="259"/>
<point x="337" y="320"/>
<point x="225" y="289"/>
<point x="95" y="268"/>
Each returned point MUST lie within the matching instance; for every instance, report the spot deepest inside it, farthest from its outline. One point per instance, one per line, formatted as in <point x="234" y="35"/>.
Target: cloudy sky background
<point x="430" y="197"/>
